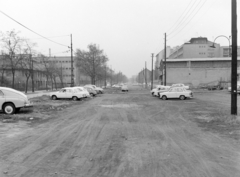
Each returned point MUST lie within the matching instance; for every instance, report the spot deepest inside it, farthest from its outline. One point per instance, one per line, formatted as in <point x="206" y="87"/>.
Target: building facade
<point x="196" y="48"/>
<point x="201" y="71"/>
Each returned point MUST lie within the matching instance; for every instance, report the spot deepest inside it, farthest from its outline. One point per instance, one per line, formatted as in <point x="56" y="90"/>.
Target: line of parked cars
<point x="180" y="91"/>
<point x="11" y="100"/>
<point x="77" y="92"/>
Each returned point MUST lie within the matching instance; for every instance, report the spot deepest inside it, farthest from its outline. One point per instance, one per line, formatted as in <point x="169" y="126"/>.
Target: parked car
<point x="238" y="89"/>
<point x="180" y="85"/>
<point x="11" y="100"/>
<point x="91" y="91"/>
<point x="155" y="89"/>
<point x="160" y="90"/>
<point x="83" y="90"/>
<point x="98" y="89"/>
<point x="124" y="88"/>
<point x="116" y="86"/>
<point x="176" y="92"/>
<point x="67" y="93"/>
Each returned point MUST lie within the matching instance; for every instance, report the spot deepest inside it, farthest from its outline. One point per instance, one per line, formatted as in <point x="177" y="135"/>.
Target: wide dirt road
<point x="122" y="135"/>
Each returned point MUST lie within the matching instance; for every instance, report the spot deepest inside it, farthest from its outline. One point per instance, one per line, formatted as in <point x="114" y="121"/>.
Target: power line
<point x="201" y="17"/>
<point x="51" y="37"/>
<point x="187" y="15"/>
<point x="189" y="20"/>
<point x="169" y="30"/>
<point x="32" y="30"/>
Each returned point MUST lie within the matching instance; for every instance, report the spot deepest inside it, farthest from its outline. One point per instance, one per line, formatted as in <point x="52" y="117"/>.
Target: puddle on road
<point x="122" y="106"/>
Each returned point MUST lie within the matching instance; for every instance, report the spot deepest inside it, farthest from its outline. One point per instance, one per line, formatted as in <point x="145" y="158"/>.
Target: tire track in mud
<point x="43" y="144"/>
<point x="154" y="139"/>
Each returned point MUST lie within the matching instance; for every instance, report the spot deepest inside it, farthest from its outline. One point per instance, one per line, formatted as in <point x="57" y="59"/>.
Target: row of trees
<point x="93" y="63"/>
<point x="19" y="56"/>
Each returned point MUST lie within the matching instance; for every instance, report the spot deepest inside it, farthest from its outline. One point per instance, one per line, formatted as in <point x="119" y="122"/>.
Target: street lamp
<point x="229" y="46"/>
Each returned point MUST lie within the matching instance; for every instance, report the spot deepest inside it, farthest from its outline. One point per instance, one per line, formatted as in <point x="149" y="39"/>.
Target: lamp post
<point x="229" y="46"/>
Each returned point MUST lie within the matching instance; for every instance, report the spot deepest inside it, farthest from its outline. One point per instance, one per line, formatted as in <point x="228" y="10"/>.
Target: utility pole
<point x="32" y="72"/>
<point x="234" y="59"/>
<point x="145" y="74"/>
<point x="111" y="76"/>
<point x="72" y="76"/>
<point x="165" y="63"/>
<point x="105" y="76"/>
<point x="152" y="72"/>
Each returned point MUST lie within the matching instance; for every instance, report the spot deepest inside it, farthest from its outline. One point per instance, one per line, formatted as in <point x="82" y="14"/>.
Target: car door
<point x="69" y="93"/>
<point x="179" y="92"/>
<point x="62" y="93"/>
<point x="2" y="99"/>
<point x="171" y="93"/>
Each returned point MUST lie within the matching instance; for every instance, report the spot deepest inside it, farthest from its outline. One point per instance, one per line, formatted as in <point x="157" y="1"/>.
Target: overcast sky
<point x="127" y="30"/>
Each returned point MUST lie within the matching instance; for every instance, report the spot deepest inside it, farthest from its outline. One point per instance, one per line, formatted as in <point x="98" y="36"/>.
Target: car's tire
<point x="74" y="98"/>
<point x="182" y="97"/>
<point x="164" y="97"/>
<point x="9" y="108"/>
<point x="159" y="95"/>
<point x="152" y="93"/>
<point x="92" y="94"/>
<point x="54" y="97"/>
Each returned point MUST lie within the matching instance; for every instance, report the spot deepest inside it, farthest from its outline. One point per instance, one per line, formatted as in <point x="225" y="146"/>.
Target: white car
<point x="67" y="93"/>
<point x="155" y="89"/>
<point x="84" y="91"/>
<point x="176" y="92"/>
<point x="160" y="90"/>
<point x="98" y="89"/>
<point x="124" y="88"/>
<point x="180" y="85"/>
<point x="12" y="101"/>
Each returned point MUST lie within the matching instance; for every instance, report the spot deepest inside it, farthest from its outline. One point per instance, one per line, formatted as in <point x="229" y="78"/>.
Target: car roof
<point x="13" y="90"/>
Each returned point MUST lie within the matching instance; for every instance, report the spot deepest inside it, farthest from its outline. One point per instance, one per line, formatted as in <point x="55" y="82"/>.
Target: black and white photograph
<point x="119" y="88"/>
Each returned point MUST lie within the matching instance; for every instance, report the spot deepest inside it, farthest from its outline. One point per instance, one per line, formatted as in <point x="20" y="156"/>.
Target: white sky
<point x="127" y="30"/>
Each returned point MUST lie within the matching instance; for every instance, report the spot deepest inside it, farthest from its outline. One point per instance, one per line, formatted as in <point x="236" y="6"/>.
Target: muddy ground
<point x="123" y="135"/>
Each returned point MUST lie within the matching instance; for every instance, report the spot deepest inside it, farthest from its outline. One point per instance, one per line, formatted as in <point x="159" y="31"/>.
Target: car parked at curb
<point x="155" y="89"/>
<point x="83" y="90"/>
<point x="98" y="89"/>
<point x="180" y="85"/>
<point x="160" y="90"/>
<point x="176" y="92"/>
<point x="124" y="88"/>
<point x="91" y="91"/>
<point x="67" y="93"/>
<point x="11" y="100"/>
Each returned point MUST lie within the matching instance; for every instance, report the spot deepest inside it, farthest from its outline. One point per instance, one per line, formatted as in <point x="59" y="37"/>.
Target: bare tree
<point x="3" y="67"/>
<point x="27" y="63"/>
<point x="12" y="44"/>
<point x="91" y="62"/>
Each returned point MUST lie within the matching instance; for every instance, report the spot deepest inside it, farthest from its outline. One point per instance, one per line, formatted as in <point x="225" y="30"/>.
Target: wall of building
<point x="198" y="73"/>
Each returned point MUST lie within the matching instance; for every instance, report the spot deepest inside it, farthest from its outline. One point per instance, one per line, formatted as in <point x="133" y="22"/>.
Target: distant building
<point x="226" y="51"/>
<point x="196" y="48"/>
<point x="200" y="71"/>
<point x="159" y="57"/>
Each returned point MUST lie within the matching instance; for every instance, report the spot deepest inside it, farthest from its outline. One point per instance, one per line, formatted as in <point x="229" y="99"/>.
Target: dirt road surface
<point x="124" y="135"/>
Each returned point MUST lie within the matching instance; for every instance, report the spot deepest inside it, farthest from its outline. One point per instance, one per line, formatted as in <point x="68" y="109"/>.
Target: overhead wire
<point x="169" y="30"/>
<point x="51" y="37"/>
<point x="188" y="21"/>
<point x="32" y="30"/>
<point x="201" y="16"/>
<point x="186" y="17"/>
